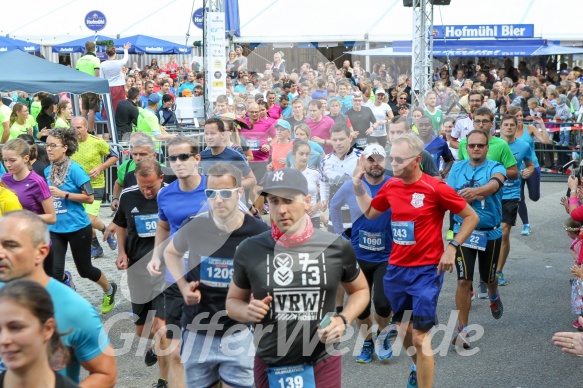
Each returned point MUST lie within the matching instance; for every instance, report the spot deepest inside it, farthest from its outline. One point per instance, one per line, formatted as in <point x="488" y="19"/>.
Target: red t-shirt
<point x="417" y="219"/>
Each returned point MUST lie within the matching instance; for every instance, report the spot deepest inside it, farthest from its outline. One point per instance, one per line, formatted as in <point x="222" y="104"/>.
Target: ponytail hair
<point x="15" y="109"/>
<point x="22" y="148"/>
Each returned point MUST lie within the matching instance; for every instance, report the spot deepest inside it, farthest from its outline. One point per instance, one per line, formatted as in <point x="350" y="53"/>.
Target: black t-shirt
<point x="39" y="167"/>
<point x="303" y="282"/>
<point x="293" y="122"/>
<point x="361" y="120"/>
<point x="130" y="180"/>
<point x="140" y="217"/>
<point x="339" y="118"/>
<point x="126" y="116"/>
<point x="211" y="253"/>
<point x="60" y="381"/>
<point x="44" y="120"/>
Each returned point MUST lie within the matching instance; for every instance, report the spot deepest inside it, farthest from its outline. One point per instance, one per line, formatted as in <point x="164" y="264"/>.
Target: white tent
<point x="283" y="21"/>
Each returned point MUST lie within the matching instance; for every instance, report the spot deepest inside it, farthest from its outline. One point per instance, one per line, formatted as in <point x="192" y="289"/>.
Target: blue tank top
<point x="528" y="138"/>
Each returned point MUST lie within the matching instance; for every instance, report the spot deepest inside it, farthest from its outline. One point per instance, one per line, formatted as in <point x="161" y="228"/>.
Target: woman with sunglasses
<point x="29" y="337"/>
<point x="527" y="133"/>
<point x="71" y="188"/>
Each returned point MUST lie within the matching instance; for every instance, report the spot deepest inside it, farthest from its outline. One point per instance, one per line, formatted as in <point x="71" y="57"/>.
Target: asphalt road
<point x="514" y="351"/>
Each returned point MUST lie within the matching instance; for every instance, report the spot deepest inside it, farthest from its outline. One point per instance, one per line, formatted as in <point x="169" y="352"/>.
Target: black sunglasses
<point x="181" y="157"/>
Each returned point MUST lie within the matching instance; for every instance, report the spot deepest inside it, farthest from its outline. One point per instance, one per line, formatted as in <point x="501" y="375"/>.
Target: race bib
<point x="372" y="241"/>
<point x="215" y="271"/>
<point x="362" y="142"/>
<point x="293" y="376"/>
<point x="477" y="240"/>
<point x="60" y="205"/>
<point x="403" y="232"/>
<point x="146" y="225"/>
<point x="253" y="144"/>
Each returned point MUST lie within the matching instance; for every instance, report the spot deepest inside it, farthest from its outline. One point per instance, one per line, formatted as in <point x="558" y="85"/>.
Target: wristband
<point x="67" y="195"/>
<point x="343" y="318"/>
<point x="573" y="201"/>
<point x="115" y="199"/>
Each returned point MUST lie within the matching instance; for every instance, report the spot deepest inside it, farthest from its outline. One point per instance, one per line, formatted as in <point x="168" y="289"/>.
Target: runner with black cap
<point x="293" y="272"/>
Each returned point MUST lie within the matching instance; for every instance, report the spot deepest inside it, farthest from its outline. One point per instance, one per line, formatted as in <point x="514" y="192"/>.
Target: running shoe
<point x="151" y="358"/>
<point x="383" y="347"/>
<point x="412" y="381"/>
<point x="96" y="252"/>
<point x="501" y="279"/>
<point x="366" y="353"/>
<point x="160" y="384"/>
<point x="109" y="300"/>
<point x="483" y="293"/>
<point x="392" y="329"/>
<point x="69" y="280"/>
<point x="497" y="308"/>
<point x="525" y="230"/>
<point x="112" y="242"/>
<point x="461" y="340"/>
<point x="449" y="235"/>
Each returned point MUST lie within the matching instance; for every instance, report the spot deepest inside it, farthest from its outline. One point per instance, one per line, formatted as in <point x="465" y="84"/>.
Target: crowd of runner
<point x="317" y="200"/>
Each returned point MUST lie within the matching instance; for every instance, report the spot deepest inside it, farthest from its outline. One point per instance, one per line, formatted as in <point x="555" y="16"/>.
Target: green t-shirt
<point x="498" y="151"/>
<point x="436" y="119"/>
<point x="123" y="169"/>
<point x="60" y="123"/>
<point x="20" y="129"/>
<point x="35" y="109"/>
<point x="88" y="63"/>
<point x="5" y="113"/>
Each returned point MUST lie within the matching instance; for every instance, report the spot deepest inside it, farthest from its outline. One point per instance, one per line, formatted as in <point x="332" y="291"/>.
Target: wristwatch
<point x="455" y="244"/>
<point x="343" y="318"/>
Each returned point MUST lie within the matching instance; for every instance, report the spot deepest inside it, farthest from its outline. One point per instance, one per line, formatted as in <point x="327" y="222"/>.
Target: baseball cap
<point x="285" y="178"/>
<point x="374" y="149"/>
<point x="380" y="91"/>
<point x="154" y="98"/>
<point x="564" y="72"/>
<point x="283" y="124"/>
<point x="527" y="89"/>
<point x="187" y="93"/>
<point x="240" y="106"/>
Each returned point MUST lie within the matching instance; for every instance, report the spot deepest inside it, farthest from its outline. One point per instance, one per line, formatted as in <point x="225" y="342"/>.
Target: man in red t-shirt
<point x="418" y="261"/>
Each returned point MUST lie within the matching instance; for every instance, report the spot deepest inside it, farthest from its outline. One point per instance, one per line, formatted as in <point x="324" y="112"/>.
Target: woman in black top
<point x="45" y="118"/>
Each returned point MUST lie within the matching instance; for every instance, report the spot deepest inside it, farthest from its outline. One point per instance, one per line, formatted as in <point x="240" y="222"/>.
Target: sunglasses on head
<point x="224" y="193"/>
<point x="181" y="157"/>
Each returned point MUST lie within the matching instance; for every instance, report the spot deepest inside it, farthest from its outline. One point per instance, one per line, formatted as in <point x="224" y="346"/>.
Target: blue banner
<point x="484" y="31"/>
